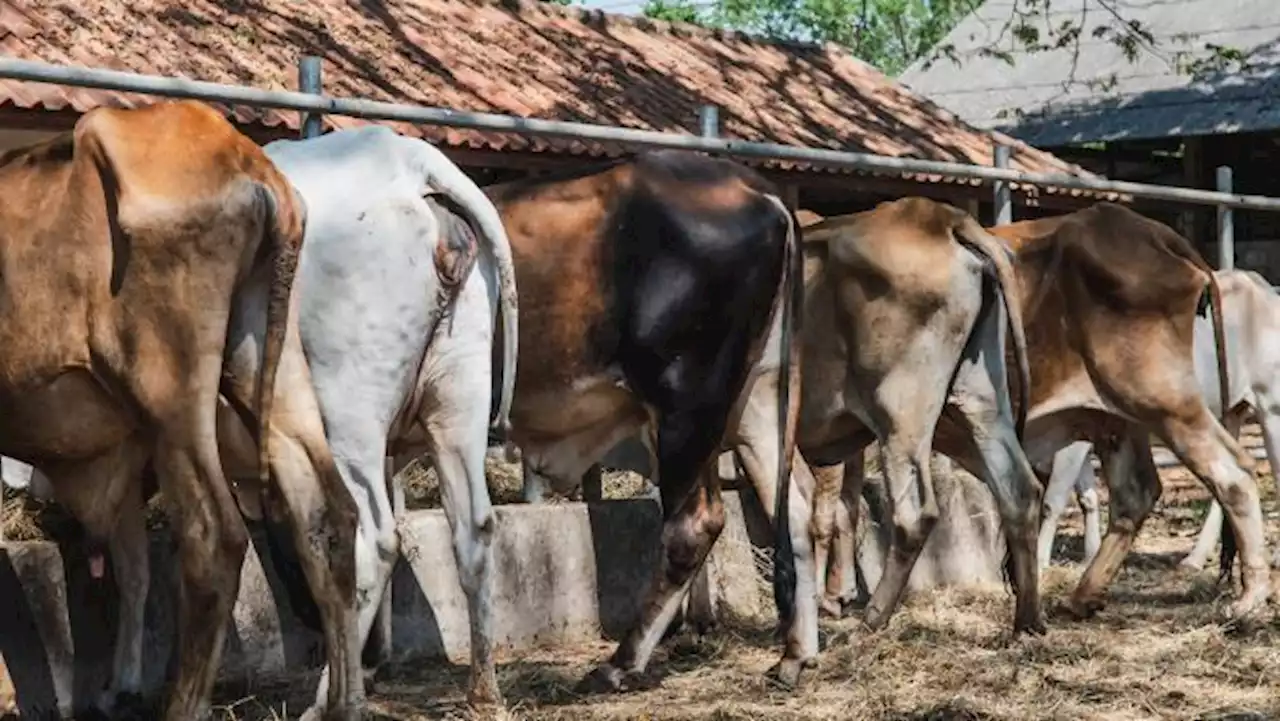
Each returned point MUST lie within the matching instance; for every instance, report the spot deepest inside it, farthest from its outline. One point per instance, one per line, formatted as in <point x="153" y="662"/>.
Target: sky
<point x="628" y="7"/>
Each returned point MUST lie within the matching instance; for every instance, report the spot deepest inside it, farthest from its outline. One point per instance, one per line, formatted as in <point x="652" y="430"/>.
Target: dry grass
<point x="1159" y="651"/>
<point x="23" y="518"/>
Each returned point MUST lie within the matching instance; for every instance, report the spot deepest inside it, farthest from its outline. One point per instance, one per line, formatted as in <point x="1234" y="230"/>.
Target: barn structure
<point x="1172" y="115"/>
<point x="523" y="58"/>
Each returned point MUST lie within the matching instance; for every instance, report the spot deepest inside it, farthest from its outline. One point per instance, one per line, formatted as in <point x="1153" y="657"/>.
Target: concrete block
<point x="564" y="573"/>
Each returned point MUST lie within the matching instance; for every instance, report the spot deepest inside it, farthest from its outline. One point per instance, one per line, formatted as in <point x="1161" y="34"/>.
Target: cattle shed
<point x="1171" y="116"/>
<point x="526" y="59"/>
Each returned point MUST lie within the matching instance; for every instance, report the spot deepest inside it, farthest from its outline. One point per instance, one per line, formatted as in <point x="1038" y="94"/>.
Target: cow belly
<point x="562" y="433"/>
<point x="70" y="417"/>
<point x="1074" y="391"/>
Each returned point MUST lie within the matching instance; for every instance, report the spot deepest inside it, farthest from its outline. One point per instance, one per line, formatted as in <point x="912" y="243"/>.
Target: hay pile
<point x="1158" y="651"/>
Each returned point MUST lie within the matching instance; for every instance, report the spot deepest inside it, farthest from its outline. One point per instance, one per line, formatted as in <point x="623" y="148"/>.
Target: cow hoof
<point x="315" y="713"/>
<point x="674" y="628"/>
<point x="605" y="679"/>
<point x="831" y="607"/>
<point x="850" y="606"/>
<point x="1034" y="627"/>
<point x="123" y="706"/>
<point x="484" y="693"/>
<point x="1190" y="567"/>
<point x="1243" y="608"/>
<point x="1083" y="608"/>
<point x="875" y="619"/>
<point x="789" y="672"/>
<point x="705" y="627"/>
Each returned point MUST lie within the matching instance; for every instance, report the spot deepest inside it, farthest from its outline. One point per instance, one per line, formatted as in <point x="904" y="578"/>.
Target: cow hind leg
<point x="132" y="568"/>
<point x="758" y="450"/>
<point x="828" y="481"/>
<point x="105" y="494"/>
<point x="360" y="459"/>
<point x="212" y="541"/>
<point x="1135" y="487"/>
<point x="324" y="518"/>
<point x="1209" y="451"/>
<point x="844" y="575"/>
<point x="1087" y="498"/>
<point x="986" y="416"/>
<point x="1269" y="419"/>
<point x="693" y="516"/>
<point x="1212" y="529"/>
<point x="1067" y="465"/>
<point x="905" y="459"/>
<point x="910" y="401"/>
<point x="458" y="447"/>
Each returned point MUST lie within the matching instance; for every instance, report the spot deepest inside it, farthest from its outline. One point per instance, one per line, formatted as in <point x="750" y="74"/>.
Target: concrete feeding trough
<point x="564" y="573"/>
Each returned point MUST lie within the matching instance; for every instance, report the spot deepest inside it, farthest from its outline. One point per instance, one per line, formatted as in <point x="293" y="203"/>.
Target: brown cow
<point x="906" y="312"/>
<point x="1110" y="300"/>
<point x="148" y="258"/>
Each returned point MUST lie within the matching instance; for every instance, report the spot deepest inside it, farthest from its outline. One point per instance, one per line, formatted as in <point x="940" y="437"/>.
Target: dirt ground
<point x="1159" y="651"/>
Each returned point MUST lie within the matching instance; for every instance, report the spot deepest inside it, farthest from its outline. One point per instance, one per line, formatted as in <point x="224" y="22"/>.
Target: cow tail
<point x="972" y="235"/>
<point x="1226" y="559"/>
<point x="791" y="285"/>
<point x="284" y="239"/>
<point x="452" y="182"/>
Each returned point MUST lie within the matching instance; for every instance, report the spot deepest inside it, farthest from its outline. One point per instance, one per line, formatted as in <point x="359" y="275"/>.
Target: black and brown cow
<point x="650" y="290"/>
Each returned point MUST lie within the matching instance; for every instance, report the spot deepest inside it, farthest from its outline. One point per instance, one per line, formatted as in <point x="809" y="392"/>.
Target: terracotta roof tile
<point x="516" y="57"/>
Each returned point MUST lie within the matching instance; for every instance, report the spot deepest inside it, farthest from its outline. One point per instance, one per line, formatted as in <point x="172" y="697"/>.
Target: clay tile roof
<point x="518" y="57"/>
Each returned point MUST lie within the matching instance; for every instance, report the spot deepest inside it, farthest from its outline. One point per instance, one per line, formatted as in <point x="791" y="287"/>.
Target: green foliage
<point x="892" y="34"/>
<point x="676" y="11"/>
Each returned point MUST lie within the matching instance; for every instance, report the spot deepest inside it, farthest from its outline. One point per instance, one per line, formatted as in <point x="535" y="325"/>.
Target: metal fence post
<point x="1226" y="223"/>
<point x="309" y="82"/>
<point x="1003" y="193"/>
<point x="709" y="121"/>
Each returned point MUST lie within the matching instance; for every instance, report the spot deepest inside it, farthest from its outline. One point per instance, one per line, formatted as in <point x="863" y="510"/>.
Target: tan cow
<point x="1110" y="299"/>
<point x="148" y="258"/>
<point x="905" y="320"/>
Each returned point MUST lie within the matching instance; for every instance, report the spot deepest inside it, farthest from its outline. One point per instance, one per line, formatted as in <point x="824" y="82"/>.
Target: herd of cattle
<point x="255" y="331"/>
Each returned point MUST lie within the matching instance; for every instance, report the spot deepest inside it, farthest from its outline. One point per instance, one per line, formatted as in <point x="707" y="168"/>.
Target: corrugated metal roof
<point x="519" y="57"/>
<point x="1055" y="98"/>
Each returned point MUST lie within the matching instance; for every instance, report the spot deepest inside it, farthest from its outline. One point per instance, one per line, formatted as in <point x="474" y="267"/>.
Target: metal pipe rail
<point x="34" y="71"/>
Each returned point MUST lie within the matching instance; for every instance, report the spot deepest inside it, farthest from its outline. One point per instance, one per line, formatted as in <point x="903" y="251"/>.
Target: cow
<point x="396" y="318"/>
<point x="651" y="288"/>
<point x="1110" y="299"/>
<point x="1251" y="312"/>
<point x="908" y="309"/>
<point x="148" y="261"/>
<point x="398" y="315"/>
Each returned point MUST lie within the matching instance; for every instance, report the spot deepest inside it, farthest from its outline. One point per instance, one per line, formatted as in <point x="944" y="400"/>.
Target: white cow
<point x="1251" y="313"/>
<point x="397" y="313"/>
